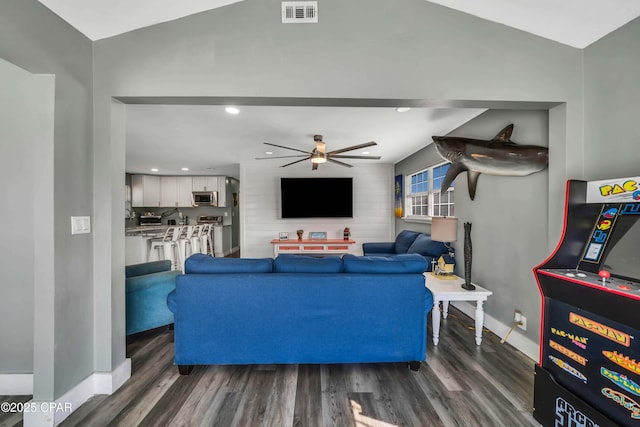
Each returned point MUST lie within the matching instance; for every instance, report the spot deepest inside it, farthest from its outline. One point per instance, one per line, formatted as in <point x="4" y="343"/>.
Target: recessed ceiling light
<point x="185" y="169"/>
<point x="365" y="152"/>
<point x="232" y="110"/>
<point x="402" y="109"/>
<point x="154" y="169"/>
<point x="268" y="152"/>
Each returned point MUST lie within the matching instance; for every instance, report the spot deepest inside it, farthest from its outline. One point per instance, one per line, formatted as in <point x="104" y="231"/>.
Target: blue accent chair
<point x="147" y="286"/>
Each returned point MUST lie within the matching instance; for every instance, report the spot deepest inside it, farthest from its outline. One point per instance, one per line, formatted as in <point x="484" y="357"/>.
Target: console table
<point x="324" y="246"/>
<point x="445" y="290"/>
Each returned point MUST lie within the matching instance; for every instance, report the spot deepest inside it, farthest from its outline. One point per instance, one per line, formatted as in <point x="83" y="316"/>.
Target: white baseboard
<point x="16" y="384"/>
<point x="50" y="414"/>
<point x="530" y="348"/>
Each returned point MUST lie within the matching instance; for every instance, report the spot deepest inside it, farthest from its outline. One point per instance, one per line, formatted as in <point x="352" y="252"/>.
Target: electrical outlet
<point x="520" y="320"/>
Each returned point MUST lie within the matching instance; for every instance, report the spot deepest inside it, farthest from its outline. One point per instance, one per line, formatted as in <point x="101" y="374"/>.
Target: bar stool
<point x="168" y="243"/>
<point x="195" y="239"/>
<point x="206" y="244"/>
<point x="188" y="237"/>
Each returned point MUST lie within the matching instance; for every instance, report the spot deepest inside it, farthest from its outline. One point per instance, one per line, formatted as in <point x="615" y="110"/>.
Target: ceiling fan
<point x="318" y="154"/>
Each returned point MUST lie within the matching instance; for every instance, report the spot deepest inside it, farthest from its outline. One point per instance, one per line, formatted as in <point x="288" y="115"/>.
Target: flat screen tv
<point x="316" y="197"/>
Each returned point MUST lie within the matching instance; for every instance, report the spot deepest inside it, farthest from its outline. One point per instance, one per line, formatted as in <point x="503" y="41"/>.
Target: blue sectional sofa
<point x="300" y="309"/>
<point x="147" y="286"/>
<point x="408" y="242"/>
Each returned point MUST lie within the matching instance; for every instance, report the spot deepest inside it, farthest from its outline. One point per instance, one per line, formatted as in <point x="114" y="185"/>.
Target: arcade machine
<point x="589" y="370"/>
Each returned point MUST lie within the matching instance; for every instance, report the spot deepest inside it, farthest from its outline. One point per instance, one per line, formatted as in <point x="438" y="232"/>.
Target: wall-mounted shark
<point x="499" y="156"/>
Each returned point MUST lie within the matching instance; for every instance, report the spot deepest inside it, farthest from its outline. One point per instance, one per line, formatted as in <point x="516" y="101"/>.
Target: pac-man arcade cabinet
<point x="589" y="369"/>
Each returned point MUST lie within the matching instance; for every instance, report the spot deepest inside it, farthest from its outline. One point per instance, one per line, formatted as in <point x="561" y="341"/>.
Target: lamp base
<point x="468" y="286"/>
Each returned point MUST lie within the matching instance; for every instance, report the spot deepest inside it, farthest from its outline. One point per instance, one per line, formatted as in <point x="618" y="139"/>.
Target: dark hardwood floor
<point x="460" y="384"/>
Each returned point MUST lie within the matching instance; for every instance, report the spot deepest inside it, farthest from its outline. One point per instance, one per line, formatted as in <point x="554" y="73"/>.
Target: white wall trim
<point x="16" y="384"/>
<point x="50" y="414"/>
<point x="530" y="348"/>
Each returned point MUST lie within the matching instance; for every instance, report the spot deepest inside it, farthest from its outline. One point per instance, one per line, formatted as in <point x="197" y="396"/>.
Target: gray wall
<point x="26" y="120"/>
<point x="508" y="216"/>
<point x="38" y="41"/>
<point x="612" y="111"/>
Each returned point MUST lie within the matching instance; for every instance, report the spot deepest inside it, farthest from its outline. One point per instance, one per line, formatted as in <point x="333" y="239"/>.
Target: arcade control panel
<point x="601" y="280"/>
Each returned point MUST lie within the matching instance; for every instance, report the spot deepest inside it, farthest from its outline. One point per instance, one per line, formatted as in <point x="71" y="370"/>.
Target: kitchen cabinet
<point x="218" y="247"/>
<point x="205" y="183"/>
<point x="185" y="187"/>
<point x="222" y="191"/>
<point x="145" y="191"/>
<point x="222" y="240"/>
<point x="175" y="191"/>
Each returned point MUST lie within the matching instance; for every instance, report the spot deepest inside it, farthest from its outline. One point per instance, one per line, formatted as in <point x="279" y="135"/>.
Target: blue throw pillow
<point x="289" y="263"/>
<point x="423" y="245"/>
<point x="397" y="264"/>
<point x="404" y="240"/>
<point x="205" y="264"/>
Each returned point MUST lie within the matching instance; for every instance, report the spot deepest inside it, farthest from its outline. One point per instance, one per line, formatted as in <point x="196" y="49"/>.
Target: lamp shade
<point x="444" y="229"/>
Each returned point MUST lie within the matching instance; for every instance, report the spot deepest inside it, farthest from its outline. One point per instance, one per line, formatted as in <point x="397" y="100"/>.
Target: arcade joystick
<point x="605" y="275"/>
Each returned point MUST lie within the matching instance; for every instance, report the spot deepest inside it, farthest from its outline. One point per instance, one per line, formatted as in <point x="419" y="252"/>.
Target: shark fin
<point x="504" y="134"/>
<point x="472" y="182"/>
<point x="454" y="170"/>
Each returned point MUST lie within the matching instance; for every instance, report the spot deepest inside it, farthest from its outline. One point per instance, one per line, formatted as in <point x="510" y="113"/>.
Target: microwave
<point x="204" y="198"/>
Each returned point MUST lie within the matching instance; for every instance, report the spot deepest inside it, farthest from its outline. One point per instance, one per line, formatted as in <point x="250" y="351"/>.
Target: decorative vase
<point x="299" y="233"/>
<point x="467" y="257"/>
<point x="347" y="233"/>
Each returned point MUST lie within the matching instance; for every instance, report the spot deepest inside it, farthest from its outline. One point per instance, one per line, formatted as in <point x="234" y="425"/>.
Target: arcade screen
<point x="615" y="242"/>
<point x="622" y="257"/>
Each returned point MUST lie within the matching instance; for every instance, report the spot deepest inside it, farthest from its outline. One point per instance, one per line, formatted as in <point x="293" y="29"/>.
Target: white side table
<point x="445" y="290"/>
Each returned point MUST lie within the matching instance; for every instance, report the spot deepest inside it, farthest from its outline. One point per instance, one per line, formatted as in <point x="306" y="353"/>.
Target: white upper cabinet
<point x="175" y="191"/>
<point x="185" y="187"/>
<point x="205" y="183"/>
<point x="145" y="191"/>
<point x="168" y="191"/>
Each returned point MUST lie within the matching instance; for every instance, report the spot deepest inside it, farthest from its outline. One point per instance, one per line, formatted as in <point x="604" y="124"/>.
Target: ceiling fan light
<point x="318" y="158"/>
<point x="320" y="147"/>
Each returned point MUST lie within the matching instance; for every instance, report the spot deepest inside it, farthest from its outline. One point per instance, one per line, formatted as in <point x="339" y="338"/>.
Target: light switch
<point x="80" y="224"/>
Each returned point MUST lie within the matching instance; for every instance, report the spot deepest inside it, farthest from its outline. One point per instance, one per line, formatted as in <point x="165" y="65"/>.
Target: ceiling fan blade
<point x="339" y="163"/>
<point x="356" y="157"/>
<point x="281" y="157"/>
<point x="297" y="161"/>
<point x="353" y="147"/>
<point x="288" y="148"/>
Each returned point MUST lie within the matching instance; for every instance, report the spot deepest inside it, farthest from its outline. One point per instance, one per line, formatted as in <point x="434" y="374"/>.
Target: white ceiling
<point x="208" y="140"/>
<point x="576" y="23"/>
<point x="158" y="135"/>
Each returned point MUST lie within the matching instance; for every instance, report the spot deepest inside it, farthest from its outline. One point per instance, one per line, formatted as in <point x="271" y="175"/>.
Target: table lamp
<point x="444" y="229"/>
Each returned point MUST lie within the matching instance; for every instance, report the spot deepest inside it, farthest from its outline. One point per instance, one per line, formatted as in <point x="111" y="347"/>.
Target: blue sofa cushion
<point x="404" y="240"/>
<point x="423" y="245"/>
<point x="399" y="264"/>
<point x="289" y="263"/>
<point x="146" y="268"/>
<point x="206" y="264"/>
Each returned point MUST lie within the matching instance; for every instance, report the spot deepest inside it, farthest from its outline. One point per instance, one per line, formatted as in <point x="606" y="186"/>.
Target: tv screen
<point x="316" y="197"/>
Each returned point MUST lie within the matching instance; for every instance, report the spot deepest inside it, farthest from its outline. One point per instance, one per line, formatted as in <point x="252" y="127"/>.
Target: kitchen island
<point x="137" y="243"/>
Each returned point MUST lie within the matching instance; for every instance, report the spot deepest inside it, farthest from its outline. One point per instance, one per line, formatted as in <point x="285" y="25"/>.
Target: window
<point x="424" y="198"/>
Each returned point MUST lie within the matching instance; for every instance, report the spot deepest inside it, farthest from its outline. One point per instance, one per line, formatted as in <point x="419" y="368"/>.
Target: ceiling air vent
<point x="299" y="12"/>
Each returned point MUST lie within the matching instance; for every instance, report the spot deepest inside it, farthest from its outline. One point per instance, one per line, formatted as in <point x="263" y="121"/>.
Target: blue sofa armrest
<point x="372" y="248"/>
